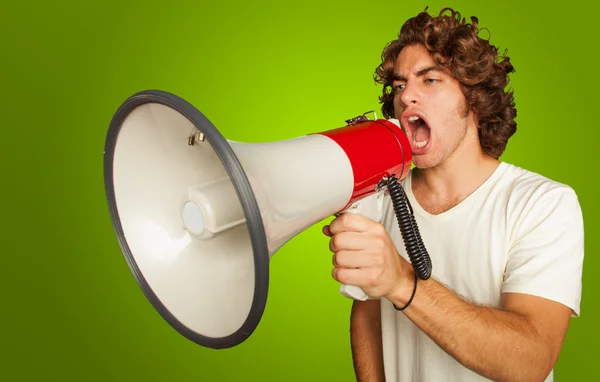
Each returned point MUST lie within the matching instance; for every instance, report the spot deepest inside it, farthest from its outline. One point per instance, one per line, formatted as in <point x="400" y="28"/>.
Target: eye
<point x="398" y="88"/>
<point x="431" y="80"/>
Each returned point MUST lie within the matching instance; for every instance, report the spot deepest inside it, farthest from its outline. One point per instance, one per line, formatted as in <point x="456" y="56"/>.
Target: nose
<point x="410" y="94"/>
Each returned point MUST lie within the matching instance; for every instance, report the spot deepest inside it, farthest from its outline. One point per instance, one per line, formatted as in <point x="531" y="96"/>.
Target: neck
<point x="441" y="187"/>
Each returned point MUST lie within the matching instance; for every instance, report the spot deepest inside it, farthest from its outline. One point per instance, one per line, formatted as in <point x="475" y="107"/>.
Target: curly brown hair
<point x="472" y="60"/>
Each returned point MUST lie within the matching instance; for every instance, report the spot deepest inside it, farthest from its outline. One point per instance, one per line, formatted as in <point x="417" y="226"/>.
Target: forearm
<point x="500" y="345"/>
<point x="365" y="335"/>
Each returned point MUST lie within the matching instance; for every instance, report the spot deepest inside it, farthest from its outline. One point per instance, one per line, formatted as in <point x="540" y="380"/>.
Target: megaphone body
<point x="198" y="217"/>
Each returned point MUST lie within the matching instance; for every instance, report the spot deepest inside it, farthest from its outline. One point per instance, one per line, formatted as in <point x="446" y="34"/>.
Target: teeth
<point x="421" y="144"/>
<point x="413" y="119"/>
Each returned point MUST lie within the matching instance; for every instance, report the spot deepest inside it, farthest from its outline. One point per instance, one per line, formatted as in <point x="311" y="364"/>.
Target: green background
<point x="261" y="71"/>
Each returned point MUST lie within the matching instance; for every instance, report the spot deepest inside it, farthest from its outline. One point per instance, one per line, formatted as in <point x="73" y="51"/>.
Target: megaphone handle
<point x="371" y="207"/>
<point x="353" y="292"/>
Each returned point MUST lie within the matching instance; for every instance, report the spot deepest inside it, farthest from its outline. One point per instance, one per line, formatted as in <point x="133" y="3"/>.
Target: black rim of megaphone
<point x="244" y="192"/>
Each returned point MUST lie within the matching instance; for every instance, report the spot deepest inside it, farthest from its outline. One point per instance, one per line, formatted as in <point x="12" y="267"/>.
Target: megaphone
<point x="198" y="217"/>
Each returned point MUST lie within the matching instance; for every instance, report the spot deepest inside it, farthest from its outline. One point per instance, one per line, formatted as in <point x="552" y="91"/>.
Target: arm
<point x="365" y="336"/>
<point x="519" y="342"/>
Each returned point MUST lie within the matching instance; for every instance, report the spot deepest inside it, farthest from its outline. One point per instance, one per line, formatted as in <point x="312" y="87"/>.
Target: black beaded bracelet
<point x="411" y="297"/>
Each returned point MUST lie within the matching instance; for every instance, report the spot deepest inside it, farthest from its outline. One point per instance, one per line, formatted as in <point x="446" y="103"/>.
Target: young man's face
<point x="431" y="107"/>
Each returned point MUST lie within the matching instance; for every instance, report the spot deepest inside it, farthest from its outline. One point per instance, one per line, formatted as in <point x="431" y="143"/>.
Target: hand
<point x="365" y="256"/>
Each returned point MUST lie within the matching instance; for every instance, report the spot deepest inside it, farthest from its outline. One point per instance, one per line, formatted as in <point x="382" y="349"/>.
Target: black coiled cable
<point x="408" y="228"/>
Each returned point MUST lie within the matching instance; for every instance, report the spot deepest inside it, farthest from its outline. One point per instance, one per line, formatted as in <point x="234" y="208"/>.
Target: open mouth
<point x="420" y="131"/>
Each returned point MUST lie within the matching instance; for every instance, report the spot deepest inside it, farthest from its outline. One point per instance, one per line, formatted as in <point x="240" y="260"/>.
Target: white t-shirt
<point x="519" y="232"/>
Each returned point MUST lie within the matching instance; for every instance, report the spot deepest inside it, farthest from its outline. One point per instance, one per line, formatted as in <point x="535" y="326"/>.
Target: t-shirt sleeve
<point x="546" y="257"/>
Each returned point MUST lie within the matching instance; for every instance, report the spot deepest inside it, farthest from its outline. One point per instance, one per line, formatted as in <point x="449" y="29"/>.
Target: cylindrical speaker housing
<point x="375" y="149"/>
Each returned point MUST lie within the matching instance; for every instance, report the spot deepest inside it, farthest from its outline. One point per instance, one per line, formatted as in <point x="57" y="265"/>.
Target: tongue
<point x="422" y="133"/>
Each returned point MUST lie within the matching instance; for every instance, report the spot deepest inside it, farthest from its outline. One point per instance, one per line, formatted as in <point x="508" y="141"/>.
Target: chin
<point x="421" y="165"/>
<point x="424" y="161"/>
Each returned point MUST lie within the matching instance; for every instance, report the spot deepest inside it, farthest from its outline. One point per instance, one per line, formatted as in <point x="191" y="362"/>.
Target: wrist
<point x="403" y="293"/>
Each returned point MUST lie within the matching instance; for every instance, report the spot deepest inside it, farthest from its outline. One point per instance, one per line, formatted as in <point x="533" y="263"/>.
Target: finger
<point x="358" y="277"/>
<point x="350" y="241"/>
<point x="326" y="231"/>
<point x="350" y="222"/>
<point x="353" y="259"/>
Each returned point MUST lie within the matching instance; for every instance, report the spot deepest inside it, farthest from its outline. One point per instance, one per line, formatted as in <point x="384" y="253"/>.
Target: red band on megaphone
<point x="375" y="149"/>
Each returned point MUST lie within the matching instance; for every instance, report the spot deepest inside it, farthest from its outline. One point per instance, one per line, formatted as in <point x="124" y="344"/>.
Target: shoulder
<point x="521" y="180"/>
<point x="533" y="198"/>
<point x="532" y="188"/>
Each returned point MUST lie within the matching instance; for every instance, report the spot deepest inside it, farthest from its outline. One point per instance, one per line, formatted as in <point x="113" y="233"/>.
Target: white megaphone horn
<point x="198" y="217"/>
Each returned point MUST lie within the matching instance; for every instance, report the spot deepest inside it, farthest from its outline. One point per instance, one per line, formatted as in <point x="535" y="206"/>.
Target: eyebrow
<point x="422" y="72"/>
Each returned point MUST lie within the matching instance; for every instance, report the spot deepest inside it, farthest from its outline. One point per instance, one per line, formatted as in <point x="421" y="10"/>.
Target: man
<point x="506" y="244"/>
